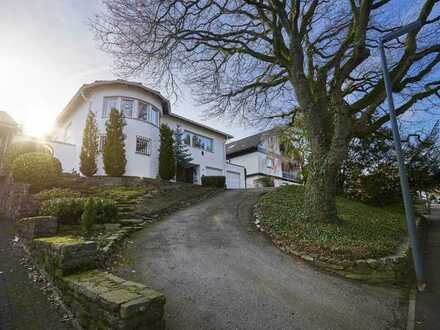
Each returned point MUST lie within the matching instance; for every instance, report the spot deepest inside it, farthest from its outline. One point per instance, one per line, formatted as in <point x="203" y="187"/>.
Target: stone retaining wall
<point x="391" y="270"/>
<point x="15" y="200"/>
<point x="99" y="300"/>
<point x="103" y="301"/>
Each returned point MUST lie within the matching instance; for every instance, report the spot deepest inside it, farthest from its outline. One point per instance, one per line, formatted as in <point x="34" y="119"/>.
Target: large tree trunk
<point x="328" y="144"/>
<point x="320" y="191"/>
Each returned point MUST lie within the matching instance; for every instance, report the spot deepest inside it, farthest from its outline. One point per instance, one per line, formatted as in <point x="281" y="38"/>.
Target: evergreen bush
<point x="182" y="154"/>
<point x="70" y="210"/>
<point x="218" y="181"/>
<point x="265" y="181"/>
<point x="167" y="159"/>
<point x="88" y="217"/>
<point x="113" y="153"/>
<point x="89" y="147"/>
<point x="40" y="170"/>
<point x="20" y="148"/>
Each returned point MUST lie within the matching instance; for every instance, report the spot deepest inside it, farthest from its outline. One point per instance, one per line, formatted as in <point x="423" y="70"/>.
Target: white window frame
<point x="133" y="109"/>
<point x="192" y="134"/>
<point x="147" y="141"/>
<point x="105" y="111"/>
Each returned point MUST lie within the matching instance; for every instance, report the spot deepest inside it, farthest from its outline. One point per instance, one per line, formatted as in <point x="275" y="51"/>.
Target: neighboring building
<point x="8" y="129"/>
<point x="144" y="110"/>
<point x="262" y="156"/>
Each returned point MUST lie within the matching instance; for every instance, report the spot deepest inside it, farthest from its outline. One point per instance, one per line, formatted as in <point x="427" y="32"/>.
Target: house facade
<point x="262" y="155"/>
<point x="144" y="111"/>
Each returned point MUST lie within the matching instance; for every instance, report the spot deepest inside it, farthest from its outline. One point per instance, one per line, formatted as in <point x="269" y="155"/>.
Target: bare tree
<point x="267" y="59"/>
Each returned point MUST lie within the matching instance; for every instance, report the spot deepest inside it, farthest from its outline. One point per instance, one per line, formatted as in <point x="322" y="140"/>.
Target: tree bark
<point x="328" y="144"/>
<point x="320" y="192"/>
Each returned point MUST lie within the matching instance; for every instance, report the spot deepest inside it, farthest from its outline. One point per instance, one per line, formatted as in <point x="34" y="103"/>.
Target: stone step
<point x="102" y="300"/>
<point x="126" y="209"/>
<point x="131" y="222"/>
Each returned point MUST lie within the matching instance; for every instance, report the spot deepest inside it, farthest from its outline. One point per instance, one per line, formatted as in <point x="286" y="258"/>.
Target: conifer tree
<point x="182" y="154"/>
<point x="167" y="159"/>
<point x="114" y="146"/>
<point x="89" y="148"/>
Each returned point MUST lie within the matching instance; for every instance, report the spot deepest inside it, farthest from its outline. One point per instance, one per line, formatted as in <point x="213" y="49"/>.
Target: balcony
<point x="293" y="176"/>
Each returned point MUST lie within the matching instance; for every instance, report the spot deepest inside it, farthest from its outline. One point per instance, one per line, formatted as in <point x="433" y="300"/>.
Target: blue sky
<point x="48" y="52"/>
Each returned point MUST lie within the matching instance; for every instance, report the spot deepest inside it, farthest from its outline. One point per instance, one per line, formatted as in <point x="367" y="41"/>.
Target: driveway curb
<point x="411" y="321"/>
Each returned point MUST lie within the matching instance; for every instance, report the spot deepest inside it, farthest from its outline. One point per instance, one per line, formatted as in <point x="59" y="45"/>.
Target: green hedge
<point x="214" y="181"/>
<point x="57" y="193"/>
<point x="70" y="210"/>
<point x="265" y="181"/>
<point x="21" y="148"/>
<point x="40" y="170"/>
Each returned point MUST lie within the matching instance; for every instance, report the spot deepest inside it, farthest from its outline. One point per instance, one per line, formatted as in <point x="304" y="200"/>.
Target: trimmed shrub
<point x="167" y="159"/>
<point x="214" y="181"/>
<point x="40" y="170"/>
<point x="113" y="152"/>
<point x="88" y="218"/>
<point x="70" y="210"/>
<point x="20" y="148"/>
<point x="89" y="147"/>
<point x="57" y="193"/>
<point x="265" y="181"/>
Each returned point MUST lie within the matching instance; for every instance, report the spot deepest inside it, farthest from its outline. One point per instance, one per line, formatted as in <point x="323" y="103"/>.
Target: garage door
<point x="211" y="171"/>
<point x="232" y="180"/>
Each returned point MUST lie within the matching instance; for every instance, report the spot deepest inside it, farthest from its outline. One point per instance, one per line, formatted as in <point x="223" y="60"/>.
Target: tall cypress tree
<point x="114" y="146"/>
<point x="182" y="154"/>
<point x="89" y="148"/>
<point x="167" y="159"/>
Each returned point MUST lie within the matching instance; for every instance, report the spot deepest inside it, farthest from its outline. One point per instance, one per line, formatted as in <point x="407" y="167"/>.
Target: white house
<point x="262" y="156"/>
<point x="144" y="110"/>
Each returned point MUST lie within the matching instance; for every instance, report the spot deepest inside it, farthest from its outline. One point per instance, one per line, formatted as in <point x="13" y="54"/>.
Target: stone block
<point x="102" y="300"/>
<point x="35" y="227"/>
<point x="63" y="255"/>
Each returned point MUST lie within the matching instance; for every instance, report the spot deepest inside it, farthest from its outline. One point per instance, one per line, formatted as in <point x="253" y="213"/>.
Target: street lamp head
<point x="403" y="30"/>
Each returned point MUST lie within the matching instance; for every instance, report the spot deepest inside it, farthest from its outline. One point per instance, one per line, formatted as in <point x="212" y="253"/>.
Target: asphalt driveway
<point x="218" y="272"/>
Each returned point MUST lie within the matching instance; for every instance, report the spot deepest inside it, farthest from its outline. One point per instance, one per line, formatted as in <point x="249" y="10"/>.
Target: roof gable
<point x="7" y="120"/>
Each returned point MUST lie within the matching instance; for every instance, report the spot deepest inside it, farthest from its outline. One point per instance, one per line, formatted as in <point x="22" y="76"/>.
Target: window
<point x="127" y="106"/>
<point x="269" y="162"/>
<point x="102" y="139"/>
<point x="67" y="132"/>
<point x="198" y="141"/>
<point x="143" y="145"/>
<point x="186" y="138"/>
<point x="148" y="112"/>
<point x="143" y="111"/>
<point x="155" y="115"/>
<point x="109" y="104"/>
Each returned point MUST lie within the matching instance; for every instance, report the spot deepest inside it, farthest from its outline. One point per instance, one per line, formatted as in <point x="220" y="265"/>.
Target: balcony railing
<point x="294" y="176"/>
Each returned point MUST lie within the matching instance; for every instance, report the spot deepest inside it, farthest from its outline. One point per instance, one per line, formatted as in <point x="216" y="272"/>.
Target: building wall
<point x="205" y="159"/>
<point x="137" y="164"/>
<point x="71" y="132"/>
<point x="67" y="153"/>
<point x="250" y="161"/>
<point x="234" y="168"/>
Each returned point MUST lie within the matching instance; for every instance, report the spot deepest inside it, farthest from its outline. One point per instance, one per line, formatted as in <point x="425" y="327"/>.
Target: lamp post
<point x="407" y="200"/>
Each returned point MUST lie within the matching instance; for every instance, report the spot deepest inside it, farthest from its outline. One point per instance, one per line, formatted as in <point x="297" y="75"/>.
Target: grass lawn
<point x="363" y="231"/>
